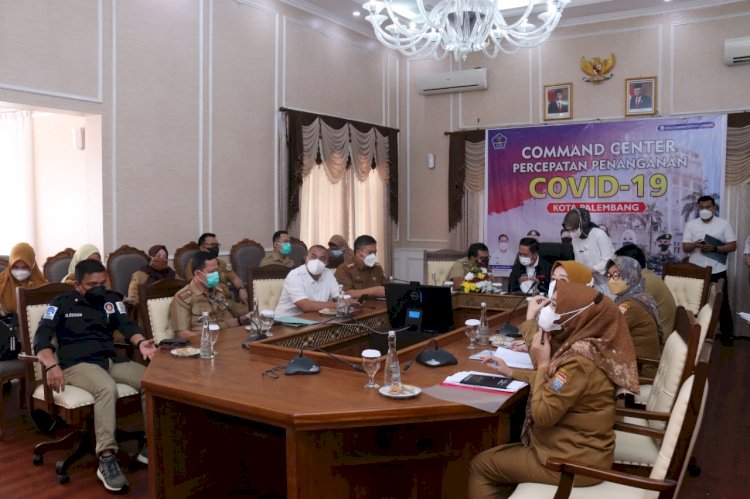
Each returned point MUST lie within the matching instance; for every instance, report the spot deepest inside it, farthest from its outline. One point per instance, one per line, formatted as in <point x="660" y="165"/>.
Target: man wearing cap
<point x="657" y="260"/>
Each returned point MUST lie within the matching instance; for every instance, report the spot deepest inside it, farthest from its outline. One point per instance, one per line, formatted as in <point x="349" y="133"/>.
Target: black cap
<point x="665" y="236"/>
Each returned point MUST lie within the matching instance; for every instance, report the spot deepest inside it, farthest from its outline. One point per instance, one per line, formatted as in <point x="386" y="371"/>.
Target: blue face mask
<point x="337" y="252"/>
<point x="286" y="248"/>
<point x="212" y="279"/>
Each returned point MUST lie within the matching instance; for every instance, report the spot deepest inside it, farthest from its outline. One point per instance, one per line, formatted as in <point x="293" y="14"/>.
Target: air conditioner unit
<point x="453" y="81"/>
<point x="737" y="51"/>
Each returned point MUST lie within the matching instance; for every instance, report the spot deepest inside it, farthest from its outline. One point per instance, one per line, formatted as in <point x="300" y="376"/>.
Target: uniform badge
<point x="50" y="313"/>
<point x="121" y="307"/>
<point x="562" y="376"/>
<point x="185" y="295"/>
<point x="109" y="308"/>
<point x="623" y="307"/>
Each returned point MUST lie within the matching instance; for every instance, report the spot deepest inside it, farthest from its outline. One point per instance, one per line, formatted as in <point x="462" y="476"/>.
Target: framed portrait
<point x="640" y="96"/>
<point x="558" y="101"/>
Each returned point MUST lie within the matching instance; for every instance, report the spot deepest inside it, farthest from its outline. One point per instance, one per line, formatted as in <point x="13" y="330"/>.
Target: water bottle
<point x="205" y="338"/>
<point x="483" y="333"/>
<point x="342" y="306"/>
<point x="392" y="372"/>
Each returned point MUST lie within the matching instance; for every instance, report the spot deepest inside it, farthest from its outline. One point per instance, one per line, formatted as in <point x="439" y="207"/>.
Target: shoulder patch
<point x="109" y="307"/>
<point x="350" y="266"/>
<point x="624" y="307"/>
<point x="121" y="307"/>
<point x="562" y="376"/>
<point x="50" y="313"/>
<point x="185" y="294"/>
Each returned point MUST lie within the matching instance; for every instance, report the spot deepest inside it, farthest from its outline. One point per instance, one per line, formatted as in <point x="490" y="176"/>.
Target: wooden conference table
<point x="221" y="427"/>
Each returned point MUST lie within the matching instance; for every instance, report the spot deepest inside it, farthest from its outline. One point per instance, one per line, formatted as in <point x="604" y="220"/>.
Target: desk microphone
<point x="394" y="279"/>
<point x="301" y="364"/>
<point x="353" y="366"/>
<point x="509" y="329"/>
<point x="433" y="358"/>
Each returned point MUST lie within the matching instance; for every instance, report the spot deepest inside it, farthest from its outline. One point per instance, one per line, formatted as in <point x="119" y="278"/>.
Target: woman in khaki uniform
<point x="571" y="408"/>
<point x="157" y="269"/>
<point x="638" y="308"/>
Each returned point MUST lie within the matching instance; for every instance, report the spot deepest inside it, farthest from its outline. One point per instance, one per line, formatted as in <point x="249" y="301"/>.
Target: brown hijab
<point x="157" y="269"/>
<point x="8" y="284"/>
<point x="341" y="243"/>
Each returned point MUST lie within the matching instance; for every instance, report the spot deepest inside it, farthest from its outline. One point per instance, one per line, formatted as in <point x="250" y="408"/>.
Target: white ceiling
<point x="577" y="12"/>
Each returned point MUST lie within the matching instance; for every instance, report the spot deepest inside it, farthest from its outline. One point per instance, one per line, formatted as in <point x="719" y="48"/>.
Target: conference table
<point x="237" y="425"/>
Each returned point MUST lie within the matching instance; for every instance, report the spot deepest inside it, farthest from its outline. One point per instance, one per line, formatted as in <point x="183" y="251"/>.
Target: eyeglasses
<point x="614" y="277"/>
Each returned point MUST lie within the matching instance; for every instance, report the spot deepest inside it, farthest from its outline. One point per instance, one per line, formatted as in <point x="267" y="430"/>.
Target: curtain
<point x="466" y="188"/>
<point x="738" y="155"/>
<point x="17" y="172"/>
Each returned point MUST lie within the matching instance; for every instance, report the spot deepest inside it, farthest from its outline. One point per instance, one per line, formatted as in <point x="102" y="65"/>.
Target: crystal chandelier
<point x="462" y="26"/>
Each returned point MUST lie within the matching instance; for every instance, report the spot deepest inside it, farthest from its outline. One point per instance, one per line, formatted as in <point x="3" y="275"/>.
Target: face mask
<point x="337" y="252"/>
<point x="315" y="267"/>
<point x="213" y="251"/>
<point x="503" y="246"/>
<point x="705" y="214"/>
<point x="21" y="274"/>
<point x="567" y="240"/>
<point x="525" y="260"/>
<point x="547" y="317"/>
<point x="482" y="262"/>
<point x="551" y="289"/>
<point x="159" y="263"/>
<point x="617" y="287"/>
<point x="96" y="296"/>
<point x="371" y="259"/>
<point x="212" y="279"/>
<point x="286" y="248"/>
<point x="664" y="247"/>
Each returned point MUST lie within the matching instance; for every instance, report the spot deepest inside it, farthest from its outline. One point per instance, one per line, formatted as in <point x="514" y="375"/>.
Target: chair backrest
<point x="266" y="283"/>
<point x="684" y="423"/>
<point x="676" y="364"/>
<point x="153" y="307"/>
<point x="552" y="252"/>
<point x="439" y="262"/>
<point x="244" y="255"/>
<point x="688" y="283"/>
<point x="56" y="266"/>
<point x="299" y="250"/>
<point x="182" y="257"/>
<point x="122" y="264"/>
<point x="32" y="305"/>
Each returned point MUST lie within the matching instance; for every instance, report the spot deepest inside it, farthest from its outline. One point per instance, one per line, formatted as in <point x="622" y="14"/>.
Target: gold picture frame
<point x="640" y="96"/>
<point x="558" y="101"/>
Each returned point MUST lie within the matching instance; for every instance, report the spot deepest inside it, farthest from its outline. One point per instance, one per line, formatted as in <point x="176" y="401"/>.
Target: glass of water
<point x="266" y="321"/>
<point x="371" y="364"/>
<point x="472" y="331"/>
<point x="213" y="335"/>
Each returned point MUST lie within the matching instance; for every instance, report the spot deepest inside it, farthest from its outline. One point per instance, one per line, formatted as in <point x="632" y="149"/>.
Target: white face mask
<point x="503" y="246"/>
<point x="547" y="317"/>
<point x="315" y="267"/>
<point x="371" y="259"/>
<point x="21" y="274"/>
<point x="705" y="214"/>
<point x="525" y="260"/>
<point x="551" y="289"/>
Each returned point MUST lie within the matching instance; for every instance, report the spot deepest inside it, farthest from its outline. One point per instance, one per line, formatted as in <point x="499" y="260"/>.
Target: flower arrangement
<point x="477" y="280"/>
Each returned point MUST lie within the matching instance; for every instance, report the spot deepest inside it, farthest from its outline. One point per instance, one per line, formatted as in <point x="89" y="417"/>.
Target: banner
<point x="640" y="179"/>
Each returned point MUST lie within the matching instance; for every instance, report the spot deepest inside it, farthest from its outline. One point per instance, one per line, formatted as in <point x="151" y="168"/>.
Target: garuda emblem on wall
<point x="598" y="70"/>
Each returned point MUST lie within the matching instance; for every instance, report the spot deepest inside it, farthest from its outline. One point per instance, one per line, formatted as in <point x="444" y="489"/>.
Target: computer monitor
<point x="427" y="309"/>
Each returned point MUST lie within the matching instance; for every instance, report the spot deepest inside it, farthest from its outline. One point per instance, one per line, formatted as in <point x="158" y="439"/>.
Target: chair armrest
<point x="630" y="402"/>
<point x="643" y="361"/>
<point x="643" y="380"/>
<point x="28" y="358"/>
<point x="639" y="413"/>
<point x="646" y="431"/>
<point x="570" y="468"/>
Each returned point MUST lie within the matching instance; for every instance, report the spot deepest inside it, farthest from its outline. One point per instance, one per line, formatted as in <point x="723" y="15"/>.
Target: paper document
<point x="517" y="360"/>
<point x="475" y="380"/>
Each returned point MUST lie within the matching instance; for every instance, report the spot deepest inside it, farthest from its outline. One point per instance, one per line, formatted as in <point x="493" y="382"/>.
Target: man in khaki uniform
<point x="209" y="244"/>
<point x="202" y="295"/>
<point x="282" y="247"/>
<point x="364" y="276"/>
<point x="478" y="253"/>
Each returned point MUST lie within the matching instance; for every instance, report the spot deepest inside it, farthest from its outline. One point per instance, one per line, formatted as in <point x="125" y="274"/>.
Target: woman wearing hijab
<point x="571" y="407"/>
<point x="572" y="271"/>
<point x="638" y="308"/>
<point x="339" y="251"/>
<point x="157" y="269"/>
<point x="592" y="245"/>
<point x="22" y="272"/>
<point x="85" y="252"/>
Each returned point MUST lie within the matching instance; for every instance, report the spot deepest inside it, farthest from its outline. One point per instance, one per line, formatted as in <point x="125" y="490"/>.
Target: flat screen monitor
<point x="427" y="309"/>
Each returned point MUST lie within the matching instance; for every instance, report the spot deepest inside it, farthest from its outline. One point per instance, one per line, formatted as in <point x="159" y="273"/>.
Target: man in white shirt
<point x="310" y="287"/>
<point x="706" y="254"/>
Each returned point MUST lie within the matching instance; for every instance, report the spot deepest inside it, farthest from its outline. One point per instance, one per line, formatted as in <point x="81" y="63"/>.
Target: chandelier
<point x="462" y="26"/>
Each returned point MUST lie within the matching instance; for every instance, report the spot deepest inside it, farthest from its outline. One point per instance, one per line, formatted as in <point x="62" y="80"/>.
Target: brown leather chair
<point x="439" y="263"/>
<point x="122" y="264"/>
<point x="56" y="266"/>
<point x="153" y="307"/>
<point x="244" y="255"/>
<point x="182" y="257"/>
<point x="266" y="283"/>
<point x="299" y="250"/>
<point x="74" y="406"/>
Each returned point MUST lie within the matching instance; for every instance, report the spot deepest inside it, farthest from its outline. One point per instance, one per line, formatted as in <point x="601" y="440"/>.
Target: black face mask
<point x="482" y="262"/>
<point x="213" y="251"/>
<point x="664" y="247"/>
<point x="567" y="240"/>
<point x="96" y="296"/>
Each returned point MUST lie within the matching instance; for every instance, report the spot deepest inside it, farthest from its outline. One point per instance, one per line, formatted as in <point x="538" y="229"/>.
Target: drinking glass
<point x="371" y="364"/>
<point x="213" y="335"/>
<point x="266" y="321"/>
<point x="472" y="330"/>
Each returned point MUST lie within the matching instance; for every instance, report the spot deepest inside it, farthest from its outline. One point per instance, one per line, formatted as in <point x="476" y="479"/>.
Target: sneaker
<point x="143" y="455"/>
<point x="110" y="475"/>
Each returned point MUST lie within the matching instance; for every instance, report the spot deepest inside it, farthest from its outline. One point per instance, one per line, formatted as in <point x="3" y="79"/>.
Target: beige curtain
<point x="738" y="155"/>
<point x="737" y="200"/>
<point x="470" y="228"/>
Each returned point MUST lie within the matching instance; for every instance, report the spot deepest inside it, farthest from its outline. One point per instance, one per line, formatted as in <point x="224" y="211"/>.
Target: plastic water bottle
<point x="342" y="306"/>
<point x="392" y="372"/>
<point x="205" y="338"/>
<point x="483" y="333"/>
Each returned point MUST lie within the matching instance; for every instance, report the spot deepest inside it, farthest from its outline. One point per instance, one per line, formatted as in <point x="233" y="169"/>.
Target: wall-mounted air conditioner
<point x="453" y="81"/>
<point x="737" y="50"/>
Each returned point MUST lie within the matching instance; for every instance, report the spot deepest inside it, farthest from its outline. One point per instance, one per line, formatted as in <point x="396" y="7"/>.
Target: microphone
<point x="509" y="329"/>
<point x="394" y="279"/>
<point x="301" y="364"/>
<point x="353" y="366"/>
<point x="433" y="358"/>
